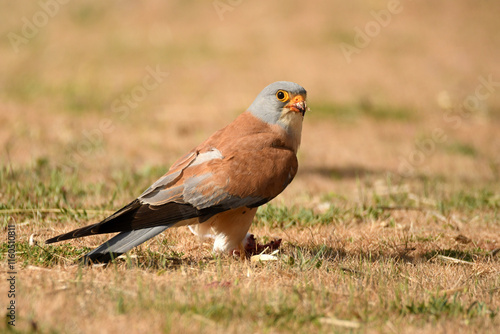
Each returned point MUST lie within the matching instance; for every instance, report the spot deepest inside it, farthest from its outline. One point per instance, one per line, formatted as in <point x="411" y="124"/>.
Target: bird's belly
<point x="228" y="228"/>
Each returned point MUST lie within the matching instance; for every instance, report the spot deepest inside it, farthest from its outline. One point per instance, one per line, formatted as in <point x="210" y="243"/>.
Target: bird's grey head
<point x="278" y="98"/>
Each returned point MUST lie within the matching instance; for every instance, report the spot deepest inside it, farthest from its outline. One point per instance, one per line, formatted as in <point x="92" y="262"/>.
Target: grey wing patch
<point x="170" y="178"/>
<point x="121" y="243"/>
<point x="163" y="182"/>
<point x="202" y="194"/>
<point x="162" y="192"/>
<point x="163" y="196"/>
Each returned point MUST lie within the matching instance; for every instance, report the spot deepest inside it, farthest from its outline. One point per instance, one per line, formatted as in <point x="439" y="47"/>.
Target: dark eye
<point x="282" y="95"/>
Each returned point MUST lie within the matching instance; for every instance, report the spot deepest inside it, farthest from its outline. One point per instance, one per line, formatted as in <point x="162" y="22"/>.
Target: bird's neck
<point x="291" y="122"/>
<point x="287" y="130"/>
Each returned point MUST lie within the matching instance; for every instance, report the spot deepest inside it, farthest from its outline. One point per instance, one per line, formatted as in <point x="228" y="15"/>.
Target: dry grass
<point x="388" y="263"/>
<point x="369" y="246"/>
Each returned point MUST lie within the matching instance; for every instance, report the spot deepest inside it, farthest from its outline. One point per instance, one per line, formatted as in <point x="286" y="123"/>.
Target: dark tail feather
<point x="121" y="216"/>
<point x="136" y="216"/>
<point x="120" y="244"/>
<point x="137" y="223"/>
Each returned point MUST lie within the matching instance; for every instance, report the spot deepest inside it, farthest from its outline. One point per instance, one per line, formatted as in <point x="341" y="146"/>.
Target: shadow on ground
<point x="342" y="172"/>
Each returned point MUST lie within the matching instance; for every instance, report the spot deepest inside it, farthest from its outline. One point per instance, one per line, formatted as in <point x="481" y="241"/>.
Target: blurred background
<point x="402" y="88"/>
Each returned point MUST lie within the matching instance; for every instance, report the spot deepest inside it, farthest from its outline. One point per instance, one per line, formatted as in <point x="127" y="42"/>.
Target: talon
<point x="236" y="253"/>
<point x="239" y="252"/>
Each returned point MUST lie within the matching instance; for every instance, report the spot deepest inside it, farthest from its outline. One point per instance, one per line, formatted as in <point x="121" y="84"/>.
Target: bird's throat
<point x="292" y="123"/>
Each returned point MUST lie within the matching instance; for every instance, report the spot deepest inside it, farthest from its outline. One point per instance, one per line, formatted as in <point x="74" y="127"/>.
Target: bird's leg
<point x="240" y="252"/>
